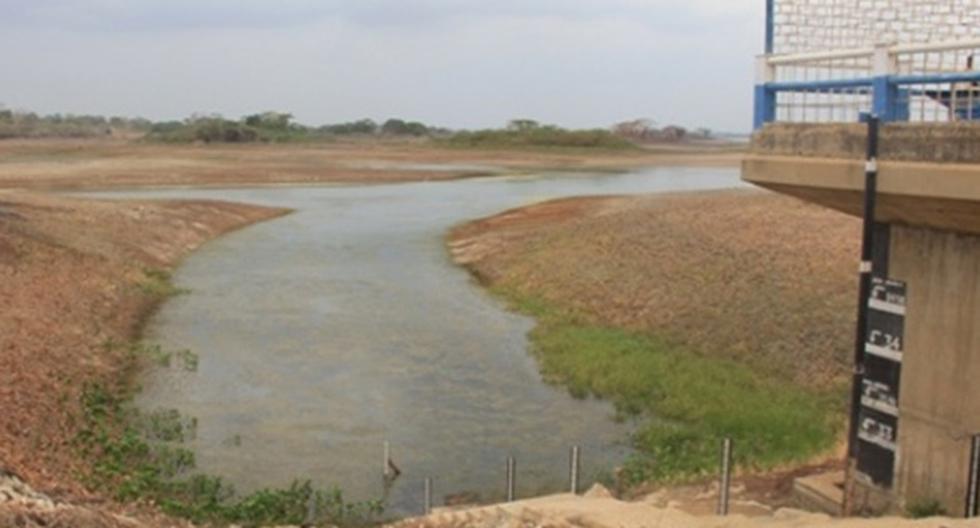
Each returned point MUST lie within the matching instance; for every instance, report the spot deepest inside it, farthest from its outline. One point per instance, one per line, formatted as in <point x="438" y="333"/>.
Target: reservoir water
<point x="326" y="332"/>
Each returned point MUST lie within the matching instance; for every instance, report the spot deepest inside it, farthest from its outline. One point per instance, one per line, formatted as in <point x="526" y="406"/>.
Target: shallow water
<point x="326" y="332"/>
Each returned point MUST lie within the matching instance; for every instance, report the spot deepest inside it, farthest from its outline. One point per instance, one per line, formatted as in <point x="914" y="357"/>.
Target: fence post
<point x="386" y="467"/>
<point x="885" y="94"/>
<point x="427" y="504"/>
<point x="511" y="478"/>
<point x="973" y="482"/>
<point x="573" y="469"/>
<point x="311" y="510"/>
<point x="726" y="476"/>
<point x="765" y="98"/>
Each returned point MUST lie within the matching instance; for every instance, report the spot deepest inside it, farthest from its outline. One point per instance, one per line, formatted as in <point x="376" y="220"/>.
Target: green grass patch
<point x="156" y="283"/>
<point x="924" y="508"/>
<point x="138" y="456"/>
<point x="686" y="403"/>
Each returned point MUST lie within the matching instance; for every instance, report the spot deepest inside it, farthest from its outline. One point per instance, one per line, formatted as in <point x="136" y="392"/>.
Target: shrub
<point x="922" y="508"/>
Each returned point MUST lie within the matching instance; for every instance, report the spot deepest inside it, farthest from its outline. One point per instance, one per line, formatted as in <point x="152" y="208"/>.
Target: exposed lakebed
<point x="324" y="333"/>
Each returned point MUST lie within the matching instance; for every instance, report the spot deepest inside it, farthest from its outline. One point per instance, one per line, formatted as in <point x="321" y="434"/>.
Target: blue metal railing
<point x="917" y="82"/>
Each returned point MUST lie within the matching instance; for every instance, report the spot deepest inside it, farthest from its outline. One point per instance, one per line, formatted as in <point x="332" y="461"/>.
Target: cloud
<point x="171" y="15"/>
<point x="455" y="63"/>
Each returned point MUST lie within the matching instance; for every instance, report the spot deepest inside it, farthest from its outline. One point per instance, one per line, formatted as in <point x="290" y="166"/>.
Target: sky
<point x="453" y="63"/>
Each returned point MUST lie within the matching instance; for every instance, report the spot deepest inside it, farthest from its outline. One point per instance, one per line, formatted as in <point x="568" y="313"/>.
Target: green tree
<point x="522" y="125"/>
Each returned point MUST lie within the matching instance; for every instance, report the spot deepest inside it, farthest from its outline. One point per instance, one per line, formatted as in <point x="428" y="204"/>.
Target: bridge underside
<point x="929" y="174"/>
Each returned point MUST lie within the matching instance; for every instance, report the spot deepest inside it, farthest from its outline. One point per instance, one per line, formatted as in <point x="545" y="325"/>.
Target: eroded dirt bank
<point x="75" y="276"/>
<point x="746" y="275"/>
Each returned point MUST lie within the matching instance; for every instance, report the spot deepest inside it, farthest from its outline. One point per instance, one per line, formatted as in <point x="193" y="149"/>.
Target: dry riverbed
<point x="104" y="164"/>
<point x="759" y="281"/>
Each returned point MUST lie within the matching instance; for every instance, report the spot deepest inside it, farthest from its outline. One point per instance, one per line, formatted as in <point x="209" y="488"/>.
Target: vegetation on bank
<point x="280" y="127"/>
<point x="526" y="133"/>
<point x="31" y="125"/>
<point x="140" y="456"/>
<point x="137" y="456"/>
<point x="277" y="127"/>
<point x="686" y="403"/>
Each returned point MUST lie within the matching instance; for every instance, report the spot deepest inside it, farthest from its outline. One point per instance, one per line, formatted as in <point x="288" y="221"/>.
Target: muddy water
<point x="324" y="333"/>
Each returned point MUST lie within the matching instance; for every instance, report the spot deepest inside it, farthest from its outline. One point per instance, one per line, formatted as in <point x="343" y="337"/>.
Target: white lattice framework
<point x="820" y="25"/>
<point x="825" y="40"/>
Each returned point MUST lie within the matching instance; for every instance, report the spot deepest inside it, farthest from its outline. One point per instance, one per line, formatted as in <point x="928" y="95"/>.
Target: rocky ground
<point x="597" y="509"/>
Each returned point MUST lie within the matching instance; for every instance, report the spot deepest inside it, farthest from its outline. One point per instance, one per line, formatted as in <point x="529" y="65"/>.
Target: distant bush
<point x="363" y="127"/>
<point x="205" y="129"/>
<point x="528" y="133"/>
<point x="398" y="127"/>
<point x="923" y="508"/>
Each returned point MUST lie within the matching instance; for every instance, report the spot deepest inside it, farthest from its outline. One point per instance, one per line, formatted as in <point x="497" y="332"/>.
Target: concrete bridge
<point x="928" y="238"/>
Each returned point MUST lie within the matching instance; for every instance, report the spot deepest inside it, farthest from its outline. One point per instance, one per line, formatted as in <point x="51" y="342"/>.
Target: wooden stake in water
<point x="427" y="504"/>
<point x="573" y="469"/>
<point x="726" y="476"/>
<point x="511" y="477"/>
<point x="386" y="468"/>
<point x="973" y="484"/>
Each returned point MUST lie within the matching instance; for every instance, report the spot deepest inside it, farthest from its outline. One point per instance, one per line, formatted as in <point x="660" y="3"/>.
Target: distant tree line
<point x="280" y="127"/>
<point x="530" y="133"/>
<point x="646" y="131"/>
<point x="17" y="124"/>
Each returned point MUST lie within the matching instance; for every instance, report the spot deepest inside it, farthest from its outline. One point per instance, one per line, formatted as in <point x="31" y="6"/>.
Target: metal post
<point x="884" y="95"/>
<point x="427" y="505"/>
<point x="573" y="469"/>
<point x="725" y="482"/>
<point x="765" y="98"/>
<point x="770" y="26"/>
<point x="864" y="291"/>
<point x="511" y="477"/>
<point x="311" y="512"/>
<point x="386" y="468"/>
<point x="973" y="484"/>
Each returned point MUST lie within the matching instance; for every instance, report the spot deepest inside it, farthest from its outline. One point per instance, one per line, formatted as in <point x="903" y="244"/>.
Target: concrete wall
<point x="929" y="194"/>
<point x="917" y="142"/>
<point x="940" y="390"/>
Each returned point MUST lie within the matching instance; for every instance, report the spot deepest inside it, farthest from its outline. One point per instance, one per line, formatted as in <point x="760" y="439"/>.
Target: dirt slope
<point x="736" y="274"/>
<point x="73" y="277"/>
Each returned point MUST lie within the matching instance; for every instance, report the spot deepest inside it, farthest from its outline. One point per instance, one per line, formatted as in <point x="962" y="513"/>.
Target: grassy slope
<point x="700" y="313"/>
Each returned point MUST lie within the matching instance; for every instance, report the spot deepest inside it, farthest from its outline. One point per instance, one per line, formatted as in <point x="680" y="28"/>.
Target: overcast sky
<point x="456" y="63"/>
